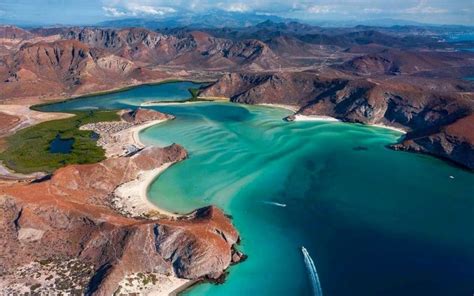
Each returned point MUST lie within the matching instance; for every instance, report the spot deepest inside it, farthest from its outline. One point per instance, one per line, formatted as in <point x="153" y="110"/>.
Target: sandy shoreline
<point x="287" y="107"/>
<point x="131" y="198"/>
<point x="28" y="117"/>
<point x="299" y="117"/>
<point x="134" y="133"/>
<point x="171" y="103"/>
<point x="185" y="102"/>
<point x="389" y="127"/>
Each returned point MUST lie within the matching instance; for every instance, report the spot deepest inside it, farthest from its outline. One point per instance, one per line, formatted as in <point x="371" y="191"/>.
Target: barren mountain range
<point x="404" y="77"/>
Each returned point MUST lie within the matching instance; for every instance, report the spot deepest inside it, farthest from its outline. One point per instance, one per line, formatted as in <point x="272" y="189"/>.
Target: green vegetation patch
<point x="28" y="150"/>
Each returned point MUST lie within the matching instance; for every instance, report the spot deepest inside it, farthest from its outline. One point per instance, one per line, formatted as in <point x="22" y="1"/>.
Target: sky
<point x="90" y="12"/>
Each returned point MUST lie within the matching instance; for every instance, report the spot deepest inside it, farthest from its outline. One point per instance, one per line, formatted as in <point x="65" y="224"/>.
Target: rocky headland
<point x="437" y="116"/>
<point x="64" y="233"/>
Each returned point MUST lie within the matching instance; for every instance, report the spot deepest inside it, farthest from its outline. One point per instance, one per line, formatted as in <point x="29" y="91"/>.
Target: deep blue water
<point x="59" y="145"/>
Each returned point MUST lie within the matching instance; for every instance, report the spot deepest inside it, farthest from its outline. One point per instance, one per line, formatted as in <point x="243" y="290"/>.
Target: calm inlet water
<point x="375" y="221"/>
<point x="59" y="145"/>
<point x="131" y="98"/>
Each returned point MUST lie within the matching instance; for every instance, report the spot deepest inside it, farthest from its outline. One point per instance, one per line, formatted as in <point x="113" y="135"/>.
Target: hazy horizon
<point x="51" y="12"/>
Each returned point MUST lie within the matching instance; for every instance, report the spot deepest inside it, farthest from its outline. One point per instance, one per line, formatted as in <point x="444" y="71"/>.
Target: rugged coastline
<point x="361" y="75"/>
<point x="418" y="109"/>
<point x="83" y="195"/>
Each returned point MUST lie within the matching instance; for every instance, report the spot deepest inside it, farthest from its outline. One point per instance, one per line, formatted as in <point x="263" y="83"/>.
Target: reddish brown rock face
<point x="140" y="115"/>
<point x="75" y="69"/>
<point x="437" y="114"/>
<point x="454" y="142"/>
<point x="70" y="216"/>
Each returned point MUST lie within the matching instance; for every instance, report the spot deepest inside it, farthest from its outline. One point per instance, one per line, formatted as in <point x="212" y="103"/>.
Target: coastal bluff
<point x="69" y="219"/>
<point x="438" y="116"/>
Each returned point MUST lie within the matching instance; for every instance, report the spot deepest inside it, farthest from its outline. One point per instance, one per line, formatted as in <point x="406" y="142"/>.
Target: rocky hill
<point x="399" y="76"/>
<point x="66" y="67"/>
<point x="428" y="109"/>
<point x="70" y="217"/>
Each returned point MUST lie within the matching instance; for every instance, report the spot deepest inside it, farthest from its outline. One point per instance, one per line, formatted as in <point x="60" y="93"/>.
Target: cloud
<point x="113" y="12"/>
<point x="427" y="10"/>
<point x="423" y="8"/>
<point x="237" y="7"/>
<point x="135" y="8"/>
<point x="316" y="9"/>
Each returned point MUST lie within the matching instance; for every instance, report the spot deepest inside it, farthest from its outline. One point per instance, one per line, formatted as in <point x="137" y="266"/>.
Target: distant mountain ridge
<point x="406" y="77"/>
<point x="210" y="19"/>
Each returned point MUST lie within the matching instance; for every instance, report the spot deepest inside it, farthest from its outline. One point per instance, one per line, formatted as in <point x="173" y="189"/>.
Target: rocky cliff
<point x="454" y="142"/>
<point x="435" y="113"/>
<point x="70" y="216"/>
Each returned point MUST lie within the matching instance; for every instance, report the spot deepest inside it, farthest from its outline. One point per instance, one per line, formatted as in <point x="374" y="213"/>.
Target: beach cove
<point x="378" y="221"/>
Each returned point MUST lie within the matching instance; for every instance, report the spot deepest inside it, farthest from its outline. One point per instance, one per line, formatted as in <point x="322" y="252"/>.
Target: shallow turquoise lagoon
<point x="131" y="98"/>
<point x="375" y="221"/>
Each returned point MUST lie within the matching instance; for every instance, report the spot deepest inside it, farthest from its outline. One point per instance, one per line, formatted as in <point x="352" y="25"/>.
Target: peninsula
<point x="88" y="216"/>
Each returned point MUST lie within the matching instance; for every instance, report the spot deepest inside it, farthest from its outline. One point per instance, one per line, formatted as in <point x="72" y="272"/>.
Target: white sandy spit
<point x="134" y="132"/>
<point x="299" y="117"/>
<point x="389" y="127"/>
<point x="164" y="103"/>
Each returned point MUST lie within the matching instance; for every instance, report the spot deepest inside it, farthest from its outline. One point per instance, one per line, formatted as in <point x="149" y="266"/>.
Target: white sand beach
<point x="299" y="117"/>
<point x="389" y="127"/>
<point x="131" y="198"/>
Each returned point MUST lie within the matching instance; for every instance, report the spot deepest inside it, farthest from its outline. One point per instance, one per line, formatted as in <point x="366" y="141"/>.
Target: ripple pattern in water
<point x="379" y="222"/>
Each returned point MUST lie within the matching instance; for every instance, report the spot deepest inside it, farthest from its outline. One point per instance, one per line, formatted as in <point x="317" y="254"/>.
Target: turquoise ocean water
<point x="375" y="221"/>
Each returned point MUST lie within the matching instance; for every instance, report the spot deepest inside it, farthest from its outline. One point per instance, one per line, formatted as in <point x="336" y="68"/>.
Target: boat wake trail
<point x="272" y="203"/>
<point x="313" y="274"/>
